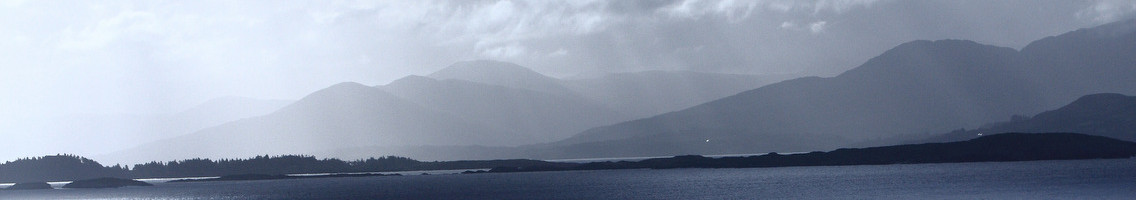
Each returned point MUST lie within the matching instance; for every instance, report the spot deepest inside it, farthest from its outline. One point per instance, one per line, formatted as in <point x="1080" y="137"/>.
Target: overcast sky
<point x="154" y="56"/>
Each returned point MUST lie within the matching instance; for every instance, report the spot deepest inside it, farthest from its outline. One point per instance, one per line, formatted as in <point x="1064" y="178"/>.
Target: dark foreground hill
<point x="1107" y="114"/>
<point x="992" y="148"/>
<point x="68" y="168"/>
<point x="56" y="168"/>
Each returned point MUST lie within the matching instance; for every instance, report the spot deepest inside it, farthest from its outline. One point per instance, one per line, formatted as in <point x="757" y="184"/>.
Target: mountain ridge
<point x="344" y="115"/>
<point x="919" y="86"/>
<point x="502" y="74"/>
<point x="545" y="117"/>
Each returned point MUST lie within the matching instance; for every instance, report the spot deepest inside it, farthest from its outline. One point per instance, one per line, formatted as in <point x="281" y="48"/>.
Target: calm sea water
<point x="1083" y="179"/>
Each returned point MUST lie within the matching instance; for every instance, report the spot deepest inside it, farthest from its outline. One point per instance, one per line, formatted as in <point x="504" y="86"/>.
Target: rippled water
<point x="1094" y="179"/>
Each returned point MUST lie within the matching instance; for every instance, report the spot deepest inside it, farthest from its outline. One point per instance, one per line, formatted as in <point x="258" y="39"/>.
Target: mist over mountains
<point x="649" y="93"/>
<point x="538" y="116"/>
<point x="916" y="87"/>
<point x="74" y="133"/>
<point x="490" y="109"/>
<point x="480" y="103"/>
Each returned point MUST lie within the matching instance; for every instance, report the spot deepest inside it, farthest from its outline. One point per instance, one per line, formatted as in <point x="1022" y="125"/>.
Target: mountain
<point x="502" y="74"/>
<point x="1086" y="61"/>
<point x="636" y="94"/>
<point x="916" y="87"/>
<point x="1108" y="114"/>
<point x="468" y="105"/>
<point x="913" y="87"/>
<point x="542" y="116"/>
<point x="341" y="116"/>
<point x="649" y="93"/>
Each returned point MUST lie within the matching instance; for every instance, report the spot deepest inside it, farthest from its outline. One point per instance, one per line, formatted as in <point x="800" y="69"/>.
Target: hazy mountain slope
<point x="916" y="87"/>
<point x="637" y="94"/>
<point x="913" y="87"/>
<point x="1108" y="114"/>
<point x="502" y="74"/>
<point x="1087" y="61"/>
<point x="648" y="93"/>
<point x="544" y="117"/>
<point x="343" y="115"/>
<point x="517" y="106"/>
<point x="227" y="109"/>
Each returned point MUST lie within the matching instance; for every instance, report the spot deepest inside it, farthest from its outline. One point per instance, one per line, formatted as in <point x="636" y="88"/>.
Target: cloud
<point x="840" y="6"/>
<point x="11" y="3"/>
<point x="788" y="25"/>
<point x="510" y="29"/>
<point x="500" y="28"/>
<point x="1104" y="11"/>
<point x="732" y="10"/>
<point x="200" y="48"/>
<point x="558" y="53"/>
<point x="101" y="33"/>
<point x="817" y="27"/>
<point x="505" y="52"/>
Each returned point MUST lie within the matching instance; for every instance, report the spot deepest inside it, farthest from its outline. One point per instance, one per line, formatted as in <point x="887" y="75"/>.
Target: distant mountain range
<point x="477" y="109"/>
<point x="343" y="115"/>
<point x="502" y="74"/>
<point x="634" y="94"/>
<point x="920" y="87"/>
<point x="486" y="103"/>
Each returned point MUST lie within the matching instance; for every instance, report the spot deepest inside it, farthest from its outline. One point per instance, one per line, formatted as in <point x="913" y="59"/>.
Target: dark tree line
<point x="57" y="168"/>
<point x="66" y="167"/>
<point x="71" y="167"/>
<point x="288" y="164"/>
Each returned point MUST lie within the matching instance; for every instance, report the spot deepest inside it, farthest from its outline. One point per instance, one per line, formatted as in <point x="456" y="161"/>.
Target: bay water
<point x="1071" y="179"/>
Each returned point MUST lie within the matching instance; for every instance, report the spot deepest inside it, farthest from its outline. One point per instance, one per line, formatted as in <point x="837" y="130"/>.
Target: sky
<point x="61" y="58"/>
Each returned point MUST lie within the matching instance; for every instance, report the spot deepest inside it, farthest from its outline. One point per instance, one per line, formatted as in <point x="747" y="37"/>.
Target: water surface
<point x="1092" y="179"/>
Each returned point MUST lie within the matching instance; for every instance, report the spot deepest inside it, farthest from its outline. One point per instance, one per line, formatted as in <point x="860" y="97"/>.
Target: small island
<point x="30" y="186"/>
<point x="105" y="183"/>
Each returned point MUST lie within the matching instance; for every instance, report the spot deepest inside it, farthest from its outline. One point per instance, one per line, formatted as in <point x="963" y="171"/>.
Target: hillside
<point x="502" y="74"/>
<point x="916" y="87"/>
<point x="341" y="116"/>
<point x="1108" y="114"/>
<point x="649" y="93"/>
<point x="541" y="116"/>
<point x="992" y="148"/>
<point x="56" y="168"/>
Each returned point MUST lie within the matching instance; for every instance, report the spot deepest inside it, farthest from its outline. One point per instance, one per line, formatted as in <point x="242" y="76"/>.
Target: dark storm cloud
<point x="815" y="38"/>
